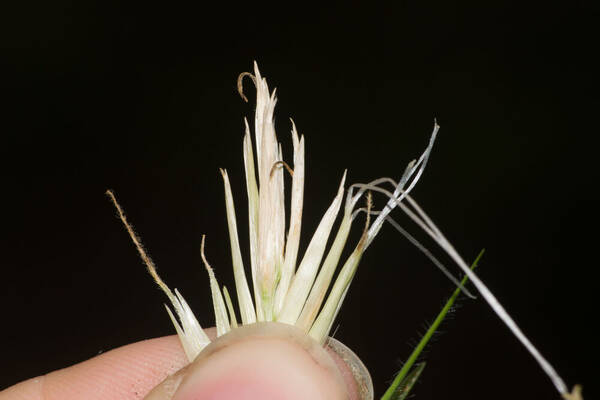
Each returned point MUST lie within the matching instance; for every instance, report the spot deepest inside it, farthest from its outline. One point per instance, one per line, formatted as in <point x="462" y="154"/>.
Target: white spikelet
<point x="293" y="237"/>
<point x="323" y="281"/>
<point x="307" y="271"/>
<point x="232" y="319"/>
<point x="252" y="192"/>
<point x="322" y="325"/>
<point x="271" y="214"/>
<point x="195" y="337"/>
<point x="243" y="292"/>
<point x="221" y="318"/>
<point x="191" y="335"/>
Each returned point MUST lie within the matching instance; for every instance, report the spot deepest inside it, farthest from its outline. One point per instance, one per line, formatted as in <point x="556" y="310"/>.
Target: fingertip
<point x="262" y="361"/>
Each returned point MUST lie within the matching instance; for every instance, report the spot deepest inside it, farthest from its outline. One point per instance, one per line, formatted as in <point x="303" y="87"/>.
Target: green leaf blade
<point x="405" y="372"/>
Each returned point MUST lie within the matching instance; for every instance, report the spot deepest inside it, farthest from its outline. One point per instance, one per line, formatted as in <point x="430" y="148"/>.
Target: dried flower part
<point x="288" y="292"/>
<point x="284" y="290"/>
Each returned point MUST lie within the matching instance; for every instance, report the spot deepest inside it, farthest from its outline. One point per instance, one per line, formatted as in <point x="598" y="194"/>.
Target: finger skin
<point x="126" y="373"/>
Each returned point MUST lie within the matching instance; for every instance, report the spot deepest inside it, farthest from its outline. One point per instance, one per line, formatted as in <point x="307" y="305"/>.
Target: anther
<point x="240" y="84"/>
<point x="281" y="163"/>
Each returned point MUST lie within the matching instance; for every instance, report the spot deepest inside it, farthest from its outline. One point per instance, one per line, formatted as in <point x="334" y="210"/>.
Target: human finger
<point x="125" y="373"/>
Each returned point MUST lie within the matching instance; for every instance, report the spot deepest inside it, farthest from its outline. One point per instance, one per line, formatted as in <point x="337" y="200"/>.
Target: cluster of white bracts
<point x="285" y="290"/>
<point x="290" y="292"/>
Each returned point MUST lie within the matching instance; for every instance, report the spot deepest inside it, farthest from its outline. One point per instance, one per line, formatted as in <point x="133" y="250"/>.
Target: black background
<point x="141" y="98"/>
